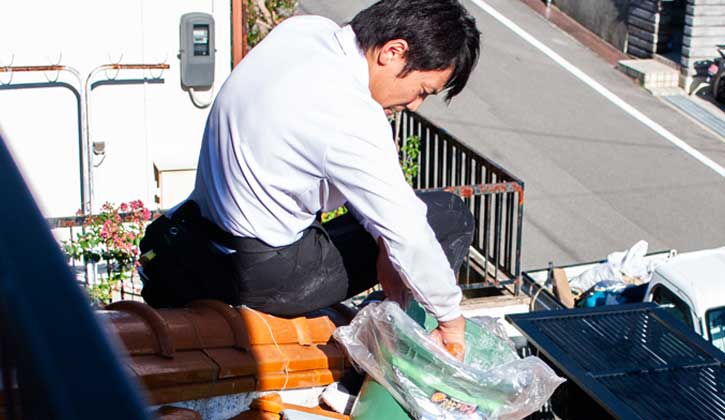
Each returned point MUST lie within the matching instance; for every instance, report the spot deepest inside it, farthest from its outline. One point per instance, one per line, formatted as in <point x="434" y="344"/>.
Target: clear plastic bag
<point x="493" y="382"/>
<point x="487" y="344"/>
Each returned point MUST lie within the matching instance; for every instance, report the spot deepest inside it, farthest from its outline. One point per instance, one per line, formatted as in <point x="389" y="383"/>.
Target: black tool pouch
<point x="179" y="263"/>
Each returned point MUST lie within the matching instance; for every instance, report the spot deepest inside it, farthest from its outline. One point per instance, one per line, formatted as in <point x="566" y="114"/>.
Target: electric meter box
<point x="196" y="36"/>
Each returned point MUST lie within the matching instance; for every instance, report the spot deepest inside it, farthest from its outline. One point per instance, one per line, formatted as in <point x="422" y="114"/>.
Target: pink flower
<point x="136" y="204"/>
<point x="124" y="207"/>
<point x="106" y="229"/>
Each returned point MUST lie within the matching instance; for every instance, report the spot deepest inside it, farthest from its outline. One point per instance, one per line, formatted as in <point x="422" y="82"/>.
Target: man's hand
<point x="389" y="278"/>
<point x="452" y="336"/>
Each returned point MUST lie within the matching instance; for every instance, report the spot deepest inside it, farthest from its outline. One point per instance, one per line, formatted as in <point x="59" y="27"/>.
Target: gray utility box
<point x="197" y="50"/>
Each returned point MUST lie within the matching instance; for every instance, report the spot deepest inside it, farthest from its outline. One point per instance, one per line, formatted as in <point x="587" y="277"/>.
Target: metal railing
<point x="494" y="196"/>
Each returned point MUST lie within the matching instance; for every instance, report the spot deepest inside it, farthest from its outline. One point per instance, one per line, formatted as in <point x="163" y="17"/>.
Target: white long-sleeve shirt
<point x="295" y="130"/>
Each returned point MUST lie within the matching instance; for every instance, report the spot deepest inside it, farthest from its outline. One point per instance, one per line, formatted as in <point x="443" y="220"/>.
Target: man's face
<point x="394" y="91"/>
<point x="410" y="90"/>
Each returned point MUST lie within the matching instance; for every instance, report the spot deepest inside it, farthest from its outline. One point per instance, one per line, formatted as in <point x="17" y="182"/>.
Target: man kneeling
<point x="300" y="127"/>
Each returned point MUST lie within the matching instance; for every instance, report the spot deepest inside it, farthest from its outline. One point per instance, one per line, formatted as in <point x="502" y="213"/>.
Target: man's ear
<point x="393" y="52"/>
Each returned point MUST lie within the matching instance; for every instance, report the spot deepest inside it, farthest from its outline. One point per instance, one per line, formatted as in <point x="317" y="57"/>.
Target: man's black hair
<point x="440" y="35"/>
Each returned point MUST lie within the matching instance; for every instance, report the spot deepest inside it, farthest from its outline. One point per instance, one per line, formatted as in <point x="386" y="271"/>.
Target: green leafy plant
<point x="113" y="237"/>
<point x="264" y="15"/>
<point x="409" y="160"/>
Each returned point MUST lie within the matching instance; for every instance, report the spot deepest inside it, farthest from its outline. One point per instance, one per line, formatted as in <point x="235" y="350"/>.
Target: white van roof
<point x="699" y="274"/>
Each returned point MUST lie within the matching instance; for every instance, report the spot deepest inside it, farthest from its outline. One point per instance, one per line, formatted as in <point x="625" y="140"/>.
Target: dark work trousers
<point x="337" y="260"/>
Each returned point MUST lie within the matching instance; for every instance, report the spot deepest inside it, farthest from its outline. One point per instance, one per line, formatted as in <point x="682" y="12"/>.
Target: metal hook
<point x="8" y="70"/>
<point x="155" y="76"/>
<point x="54" y="79"/>
<point x="12" y="60"/>
<point x="57" y="72"/>
<point x="10" y="79"/>
<point x="57" y="62"/>
<point x="120" y="57"/>
<point x="161" y="71"/>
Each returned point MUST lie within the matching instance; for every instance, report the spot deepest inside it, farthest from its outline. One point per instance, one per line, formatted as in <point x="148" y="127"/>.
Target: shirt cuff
<point x="454" y="313"/>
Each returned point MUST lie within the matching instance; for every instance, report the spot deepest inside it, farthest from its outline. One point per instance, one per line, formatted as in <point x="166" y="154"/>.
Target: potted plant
<point x="110" y="237"/>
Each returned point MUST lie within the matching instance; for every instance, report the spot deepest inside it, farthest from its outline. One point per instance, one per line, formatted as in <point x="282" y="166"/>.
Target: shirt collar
<point x="348" y="42"/>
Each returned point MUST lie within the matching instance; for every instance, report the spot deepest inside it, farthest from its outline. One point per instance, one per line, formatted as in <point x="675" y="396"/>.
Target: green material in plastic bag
<point x="428" y="382"/>
<point x="486" y="342"/>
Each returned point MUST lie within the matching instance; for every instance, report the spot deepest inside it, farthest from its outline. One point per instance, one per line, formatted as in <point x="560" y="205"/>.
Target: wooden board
<point x="561" y="288"/>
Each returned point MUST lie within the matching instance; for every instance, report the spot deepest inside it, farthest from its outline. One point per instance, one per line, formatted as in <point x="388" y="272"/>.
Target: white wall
<point x="140" y="123"/>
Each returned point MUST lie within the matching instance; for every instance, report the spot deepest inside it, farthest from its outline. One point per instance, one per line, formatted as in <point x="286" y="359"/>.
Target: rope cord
<point x="533" y="298"/>
<point x="274" y="340"/>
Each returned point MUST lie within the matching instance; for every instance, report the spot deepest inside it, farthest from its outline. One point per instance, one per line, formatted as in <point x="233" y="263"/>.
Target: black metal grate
<point x="620" y="342"/>
<point x="636" y="361"/>
<point x="700" y="392"/>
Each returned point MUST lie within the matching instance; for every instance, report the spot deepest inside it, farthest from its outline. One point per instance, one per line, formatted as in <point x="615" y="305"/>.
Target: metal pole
<point x="519" y="241"/>
<point x="83" y="141"/>
<point x="88" y="143"/>
<point x="83" y="129"/>
<point x="238" y="22"/>
<point x="87" y="93"/>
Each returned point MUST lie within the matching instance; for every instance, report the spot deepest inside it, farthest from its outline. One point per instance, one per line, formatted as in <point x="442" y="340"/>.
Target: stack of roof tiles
<point x="210" y="349"/>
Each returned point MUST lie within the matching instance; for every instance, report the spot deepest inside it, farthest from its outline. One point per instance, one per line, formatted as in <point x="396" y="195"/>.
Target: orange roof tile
<point x="286" y="331"/>
<point x="209" y="349"/>
<point x="280" y="380"/>
<point x="185" y="367"/>
<point x="232" y="362"/>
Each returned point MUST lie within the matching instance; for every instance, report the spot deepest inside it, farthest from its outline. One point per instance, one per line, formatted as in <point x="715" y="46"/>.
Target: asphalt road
<point x="597" y="179"/>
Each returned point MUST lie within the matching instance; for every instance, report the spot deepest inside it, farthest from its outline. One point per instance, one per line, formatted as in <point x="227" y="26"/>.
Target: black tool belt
<point x="179" y="262"/>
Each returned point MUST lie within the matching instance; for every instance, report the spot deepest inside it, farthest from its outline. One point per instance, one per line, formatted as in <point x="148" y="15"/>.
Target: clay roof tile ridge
<point x="233" y="318"/>
<point x="153" y="319"/>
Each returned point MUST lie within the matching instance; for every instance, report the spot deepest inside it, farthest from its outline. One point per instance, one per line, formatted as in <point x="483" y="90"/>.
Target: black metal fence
<point x="495" y="197"/>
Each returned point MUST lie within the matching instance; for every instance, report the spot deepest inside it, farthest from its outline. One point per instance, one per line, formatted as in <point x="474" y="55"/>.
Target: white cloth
<point x="294" y="130"/>
<point x="631" y="263"/>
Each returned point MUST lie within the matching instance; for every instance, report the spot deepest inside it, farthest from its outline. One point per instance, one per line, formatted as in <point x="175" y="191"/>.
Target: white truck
<point x="691" y="284"/>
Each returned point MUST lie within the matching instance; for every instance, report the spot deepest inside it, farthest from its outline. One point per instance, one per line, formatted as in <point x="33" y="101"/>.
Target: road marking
<point x="616" y="100"/>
